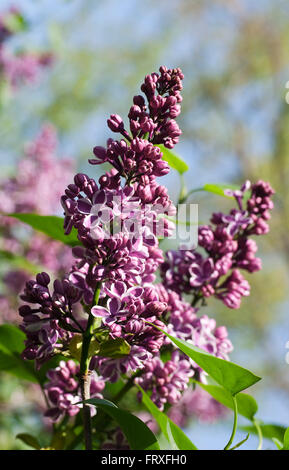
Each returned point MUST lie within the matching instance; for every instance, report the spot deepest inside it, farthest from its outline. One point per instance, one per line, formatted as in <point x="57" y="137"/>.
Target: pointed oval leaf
<point x="139" y="436"/>
<point x="176" y="438"/>
<point x="29" y="440"/>
<point x="219" y="189"/>
<point x="115" y="348"/>
<point x="232" y="377"/>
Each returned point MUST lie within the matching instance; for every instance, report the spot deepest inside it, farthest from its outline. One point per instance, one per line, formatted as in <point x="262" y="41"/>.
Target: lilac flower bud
<point x="115" y="123"/>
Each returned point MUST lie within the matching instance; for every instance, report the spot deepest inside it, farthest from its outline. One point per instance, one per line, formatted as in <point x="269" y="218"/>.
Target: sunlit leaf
<point x="174" y="435"/>
<point x="139" y="436"/>
<point x="232" y="377"/>
<point x="219" y="188"/>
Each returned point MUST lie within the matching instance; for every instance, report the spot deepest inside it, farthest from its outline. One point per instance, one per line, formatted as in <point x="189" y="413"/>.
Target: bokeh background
<point x="235" y="123"/>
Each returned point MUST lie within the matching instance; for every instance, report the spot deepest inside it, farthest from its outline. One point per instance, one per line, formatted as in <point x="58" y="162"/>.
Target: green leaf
<point x="269" y="431"/>
<point x="173" y="160"/>
<point x="286" y="440"/>
<point x="219" y="188"/>
<point x="247" y="405"/>
<point x="11" y="345"/>
<point x="277" y="443"/>
<point x="29" y="440"/>
<point x="174" y="435"/>
<point x="51" y="225"/>
<point x="11" y="339"/>
<point x="232" y="377"/>
<point x="139" y="436"/>
<point x="115" y="348"/>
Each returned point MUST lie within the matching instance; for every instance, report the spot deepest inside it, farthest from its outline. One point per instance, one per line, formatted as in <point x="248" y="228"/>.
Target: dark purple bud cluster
<point x="166" y="381"/>
<point x="136" y="157"/>
<point x="138" y="160"/>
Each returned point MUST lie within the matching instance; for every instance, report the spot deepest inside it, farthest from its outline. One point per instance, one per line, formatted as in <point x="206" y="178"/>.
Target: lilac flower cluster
<point x="63" y="391"/>
<point x="227" y="248"/>
<point x="118" y="221"/>
<point x="23" y="67"/>
<point x="166" y="380"/>
<point x="126" y="316"/>
<point x="49" y="323"/>
<point x="124" y="260"/>
<point x="129" y="255"/>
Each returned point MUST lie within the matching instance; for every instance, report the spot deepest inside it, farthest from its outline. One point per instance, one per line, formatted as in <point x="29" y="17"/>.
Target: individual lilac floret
<point x="233" y="289"/>
<point x="48" y="323"/>
<point x="166" y="381"/>
<point x="63" y="390"/>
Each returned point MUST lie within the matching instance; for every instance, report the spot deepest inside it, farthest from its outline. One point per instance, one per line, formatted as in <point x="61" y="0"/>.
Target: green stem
<point x="84" y="371"/>
<point x="240" y="443"/>
<point x="183" y="191"/>
<point x="260" y="434"/>
<point x="227" y="447"/>
<point x="185" y="197"/>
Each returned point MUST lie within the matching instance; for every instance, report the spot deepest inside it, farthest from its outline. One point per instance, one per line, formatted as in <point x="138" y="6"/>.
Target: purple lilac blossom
<point x="227" y="248"/>
<point x="63" y="390"/>
<point x="125" y="263"/>
<point x="40" y="323"/>
<point x="126" y="315"/>
<point x="166" y="381"/>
